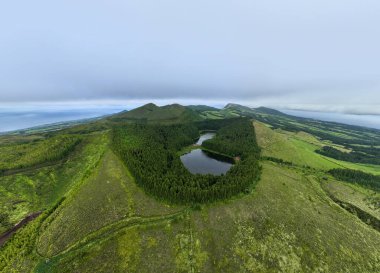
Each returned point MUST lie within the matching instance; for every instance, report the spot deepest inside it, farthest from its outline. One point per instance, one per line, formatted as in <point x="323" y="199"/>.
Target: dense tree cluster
<point x="354" y="156"/>
<point x="214" y="124"/>
<point x="235" y="139"/>
<point x="150" y="152"/>
<point x="357" y="177"/>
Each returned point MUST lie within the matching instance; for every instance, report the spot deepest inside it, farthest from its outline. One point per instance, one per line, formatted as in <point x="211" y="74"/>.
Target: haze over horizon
<point x="315" y="55"/>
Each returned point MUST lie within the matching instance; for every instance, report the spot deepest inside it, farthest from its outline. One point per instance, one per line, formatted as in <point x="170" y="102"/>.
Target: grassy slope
<point x="37" y="189"/>
<point x="288" y="224"/>
<point x="365" y="199"/>
<point x="104" y="198"/>
<point x="101" y="200"/>
<point x="108" y="202"/>
<point x="43" y="188"/>
<point x="299" y="148"/>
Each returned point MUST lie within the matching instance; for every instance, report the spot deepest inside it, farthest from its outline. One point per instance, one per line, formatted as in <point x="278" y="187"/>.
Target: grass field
<point x="288" y="222"/>
<point x="299" y="148"/>
<point x="365" y="199"/>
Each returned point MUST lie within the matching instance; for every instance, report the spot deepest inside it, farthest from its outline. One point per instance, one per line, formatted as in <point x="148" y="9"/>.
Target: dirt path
<point x="6" y="235"/>
<point x="32" y="168"/>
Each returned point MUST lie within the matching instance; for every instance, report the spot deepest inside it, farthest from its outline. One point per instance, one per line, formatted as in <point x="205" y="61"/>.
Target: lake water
<point x="202" y="162"/>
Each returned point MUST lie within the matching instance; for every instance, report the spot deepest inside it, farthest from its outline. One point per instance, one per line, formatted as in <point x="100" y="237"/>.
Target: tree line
<point x="357" y="177"/>
<point x="150" y="152"/>
<point x="277" y="160"/>
<point x="354" y="156"/>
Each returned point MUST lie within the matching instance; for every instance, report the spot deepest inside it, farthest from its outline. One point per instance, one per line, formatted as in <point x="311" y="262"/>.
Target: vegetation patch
<point x="189" y="254"/>
<point x="276" y="249"/>
<point x="27" y="155"/>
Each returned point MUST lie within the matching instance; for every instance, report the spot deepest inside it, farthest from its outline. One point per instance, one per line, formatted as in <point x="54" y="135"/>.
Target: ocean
<point x="371" y="121"/>
<point x="15" y="119"/>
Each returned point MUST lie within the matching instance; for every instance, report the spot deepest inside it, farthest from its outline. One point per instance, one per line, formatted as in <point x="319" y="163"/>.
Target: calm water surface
<point x="202" y="162"/>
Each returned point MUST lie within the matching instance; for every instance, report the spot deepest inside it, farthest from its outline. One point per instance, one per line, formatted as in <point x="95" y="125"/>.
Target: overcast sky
<point x="297" y="54"/>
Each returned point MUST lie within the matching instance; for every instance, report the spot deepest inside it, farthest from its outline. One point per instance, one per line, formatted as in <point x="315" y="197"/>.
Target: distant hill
<point x="233" y="110"/>
<point x="238" y="107"/>
<point x="252" y="112"/>
<point x="202" y="108"/>
<point x="152" y="113"/>
<point x="142" y="112"/>
<point x="265" y="110"/>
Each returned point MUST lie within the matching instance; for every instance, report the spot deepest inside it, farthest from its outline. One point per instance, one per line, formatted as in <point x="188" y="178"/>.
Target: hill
<point x="202" y="108"/>
<point x="265" y="110"/>
<point x="150" y="112"/>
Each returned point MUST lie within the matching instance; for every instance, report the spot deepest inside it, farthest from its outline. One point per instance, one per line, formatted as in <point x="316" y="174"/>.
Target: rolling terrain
<point x="111" y="195"/>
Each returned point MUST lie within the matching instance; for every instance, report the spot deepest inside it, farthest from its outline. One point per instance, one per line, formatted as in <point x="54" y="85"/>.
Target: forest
<point x="150" y="152"/>
<point x="236" y="139"/>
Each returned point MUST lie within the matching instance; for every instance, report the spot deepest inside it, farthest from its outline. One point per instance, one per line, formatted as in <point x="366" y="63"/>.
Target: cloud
<point x="295" y="54"/>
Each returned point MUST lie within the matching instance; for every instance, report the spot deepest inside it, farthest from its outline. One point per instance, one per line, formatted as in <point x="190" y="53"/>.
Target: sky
<point x="318" y="55"/>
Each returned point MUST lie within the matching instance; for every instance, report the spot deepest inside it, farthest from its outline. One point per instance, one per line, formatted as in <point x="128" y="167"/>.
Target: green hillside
<point x="112" y="195"/>
<point x="150" y="112"/>
<point x="202" y="108"/>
